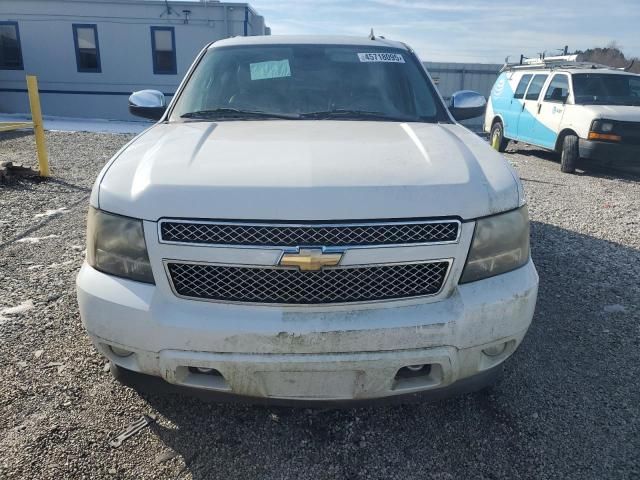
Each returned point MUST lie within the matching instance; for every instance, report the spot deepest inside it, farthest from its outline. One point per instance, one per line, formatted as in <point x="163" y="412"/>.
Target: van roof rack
<point x="556" y="62"/>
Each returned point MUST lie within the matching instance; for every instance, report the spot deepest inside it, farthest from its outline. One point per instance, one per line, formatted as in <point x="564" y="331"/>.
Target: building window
<point x="163" y="46"/>
<point x="85" y="38"/>
<point x="10" y="50"/>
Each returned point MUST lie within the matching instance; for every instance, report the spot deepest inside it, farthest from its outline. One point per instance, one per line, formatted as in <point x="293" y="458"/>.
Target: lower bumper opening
<point x="414" y="377"/>
<point x="201" y="376"/>
<point x="205" y="371"/>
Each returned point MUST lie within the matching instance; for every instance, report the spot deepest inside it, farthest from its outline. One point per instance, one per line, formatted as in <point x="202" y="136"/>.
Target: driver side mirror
<point x="466" y="104"/>
<point x="147" y="104"/>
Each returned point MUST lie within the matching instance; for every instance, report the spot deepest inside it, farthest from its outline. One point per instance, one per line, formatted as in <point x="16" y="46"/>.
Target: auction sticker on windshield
<point x="381" y="57"/>
<point x="270" y="69"/>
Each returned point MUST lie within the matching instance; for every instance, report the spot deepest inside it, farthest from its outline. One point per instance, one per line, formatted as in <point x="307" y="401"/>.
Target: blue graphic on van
<point x="518" y="121"/>
<point x="498" y="88"/>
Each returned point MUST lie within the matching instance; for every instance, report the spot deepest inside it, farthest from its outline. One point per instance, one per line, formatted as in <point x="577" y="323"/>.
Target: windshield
<point x="606" y="89"/>
<point x="309" y="82"/>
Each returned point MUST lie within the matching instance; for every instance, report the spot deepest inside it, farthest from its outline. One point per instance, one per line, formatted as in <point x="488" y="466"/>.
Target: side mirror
<point x="147" y="104"/>
<point x="466" y="104"/>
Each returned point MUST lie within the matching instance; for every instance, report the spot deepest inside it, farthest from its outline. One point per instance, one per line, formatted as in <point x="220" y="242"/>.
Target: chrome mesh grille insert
<point x="308" y="235"/>
<point x="292" y="286"/>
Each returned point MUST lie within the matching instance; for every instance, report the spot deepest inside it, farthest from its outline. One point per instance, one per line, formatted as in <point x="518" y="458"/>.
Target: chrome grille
<point x="273" y="285"/>
<point x="287" y="235"/>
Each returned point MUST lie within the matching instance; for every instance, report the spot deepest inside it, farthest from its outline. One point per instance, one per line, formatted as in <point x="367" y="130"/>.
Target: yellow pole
<point x="495" y="143"/>
<point x="38" y="128"/>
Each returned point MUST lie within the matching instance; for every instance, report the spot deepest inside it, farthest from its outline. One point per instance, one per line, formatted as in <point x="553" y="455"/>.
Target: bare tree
<point x="610" y="55"/>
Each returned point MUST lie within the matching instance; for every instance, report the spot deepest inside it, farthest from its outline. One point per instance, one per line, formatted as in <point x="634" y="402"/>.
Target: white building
<point x="89" y="55"/>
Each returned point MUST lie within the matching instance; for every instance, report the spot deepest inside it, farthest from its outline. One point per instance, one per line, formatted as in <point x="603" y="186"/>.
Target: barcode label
<point x="381" y="57"/>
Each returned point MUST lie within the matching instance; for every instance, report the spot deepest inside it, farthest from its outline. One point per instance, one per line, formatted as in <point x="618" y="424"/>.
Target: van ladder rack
<point x="552" y="64"/>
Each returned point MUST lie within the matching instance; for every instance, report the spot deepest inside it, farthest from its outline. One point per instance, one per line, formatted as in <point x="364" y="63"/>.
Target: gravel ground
<point x="568" y="406"/>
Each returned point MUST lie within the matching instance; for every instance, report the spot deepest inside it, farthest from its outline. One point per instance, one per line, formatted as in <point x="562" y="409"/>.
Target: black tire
<point x="570" y="154"/>
<point x="140" y="382"/>
<point x="497" y="138"/>
<point x="117" y="372"/>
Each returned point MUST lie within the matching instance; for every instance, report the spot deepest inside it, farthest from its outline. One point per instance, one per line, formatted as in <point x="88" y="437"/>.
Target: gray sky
<point x="466" y="30"/>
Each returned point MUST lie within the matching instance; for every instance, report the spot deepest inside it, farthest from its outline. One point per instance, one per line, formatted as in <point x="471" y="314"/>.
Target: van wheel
<point x="497" y="139"/>
<point x="570" y="154"/>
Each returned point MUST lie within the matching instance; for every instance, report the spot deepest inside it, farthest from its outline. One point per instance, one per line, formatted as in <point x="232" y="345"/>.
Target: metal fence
<point x="451" y="77"/>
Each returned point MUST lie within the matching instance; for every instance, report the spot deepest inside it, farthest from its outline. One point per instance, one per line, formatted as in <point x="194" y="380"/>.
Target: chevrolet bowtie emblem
<point x="310" y="259"/>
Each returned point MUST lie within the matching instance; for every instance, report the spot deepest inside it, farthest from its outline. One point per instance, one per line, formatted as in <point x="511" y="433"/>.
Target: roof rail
<point x="547" y="60"/>
<point x="561" y="61"/>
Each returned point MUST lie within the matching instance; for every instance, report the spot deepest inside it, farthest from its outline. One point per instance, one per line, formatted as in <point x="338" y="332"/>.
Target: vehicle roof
<point x="608" y="71"/>
<point x="363" y="41"/>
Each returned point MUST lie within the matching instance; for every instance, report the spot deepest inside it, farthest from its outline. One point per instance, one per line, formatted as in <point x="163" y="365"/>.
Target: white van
<point x="579" y="110"/>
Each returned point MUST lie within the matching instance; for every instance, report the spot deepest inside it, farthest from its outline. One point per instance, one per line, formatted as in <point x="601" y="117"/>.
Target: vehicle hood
<point x="625" y="113"/>
<point x="307" y="170"/>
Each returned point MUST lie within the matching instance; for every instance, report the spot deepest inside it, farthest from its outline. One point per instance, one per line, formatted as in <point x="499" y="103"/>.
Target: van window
<point x="522" y="86"/>
<point x="606" y="89"/>
<point x="558" y="89"/>
<point x="536" y="87"/>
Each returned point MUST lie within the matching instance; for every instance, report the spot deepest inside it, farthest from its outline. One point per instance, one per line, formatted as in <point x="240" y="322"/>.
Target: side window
<point x="85" y="38"/>
<point x="163" y="46"/>
<point x="558" y="89"/>
<point x="10" y="50"/>
<point x="522" y="86"/>
<point x="536" y="87"/>
<point x="634" y="86"/>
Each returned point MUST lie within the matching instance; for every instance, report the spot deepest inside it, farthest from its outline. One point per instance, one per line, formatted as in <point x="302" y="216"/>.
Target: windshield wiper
<point x="226" y="112"/>
<point x="611" y="101"/>
<point x="628" y="103"/>
<point x="345" y="113"/>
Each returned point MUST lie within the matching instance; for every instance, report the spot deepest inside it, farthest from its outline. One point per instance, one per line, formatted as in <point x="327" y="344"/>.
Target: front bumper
<point x="309" y="354"/>
<point x="156" y="385"/>
<point x="614" y="153"/>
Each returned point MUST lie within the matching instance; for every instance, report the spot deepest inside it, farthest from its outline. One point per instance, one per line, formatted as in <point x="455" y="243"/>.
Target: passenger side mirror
<point x="147" y="104"/>
<point x="466" y="104"/>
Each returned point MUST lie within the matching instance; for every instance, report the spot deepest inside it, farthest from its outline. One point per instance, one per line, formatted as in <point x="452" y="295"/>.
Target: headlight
<point x="500" y="244"/>
<point x="602" y="130"/>
<point x="606" y="127"/>
<point x="602" y="126"/>
<point x="115" y="245"/>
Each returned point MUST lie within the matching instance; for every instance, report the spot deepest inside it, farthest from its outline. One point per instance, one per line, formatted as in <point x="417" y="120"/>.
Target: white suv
<point x="307" y="222"/>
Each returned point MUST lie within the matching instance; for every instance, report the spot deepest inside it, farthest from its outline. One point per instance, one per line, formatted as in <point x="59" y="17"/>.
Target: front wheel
<point x="498" y="141"/>
<point x="570" y="154"/>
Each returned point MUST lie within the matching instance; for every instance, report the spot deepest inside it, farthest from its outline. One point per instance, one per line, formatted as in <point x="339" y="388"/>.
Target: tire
<point x="135" y="380"/>
<point x="118" y="373"/>
<point x="570" y="154"/>
<point x="497" y="138"/>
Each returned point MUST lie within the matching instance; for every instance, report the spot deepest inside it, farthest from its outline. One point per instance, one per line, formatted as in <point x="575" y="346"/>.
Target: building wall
<point x="452" y="77"/>
<point x="124" y="36"/>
